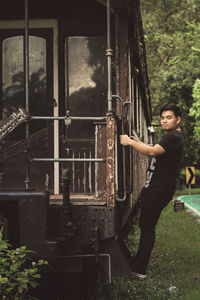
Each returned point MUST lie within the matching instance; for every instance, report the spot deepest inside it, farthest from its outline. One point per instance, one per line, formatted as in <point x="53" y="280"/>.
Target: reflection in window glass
<point x="13" y="74"/>
<point x="86" y="75"/>
<point x="86" y="80"/>
<point x="13" y="97"/>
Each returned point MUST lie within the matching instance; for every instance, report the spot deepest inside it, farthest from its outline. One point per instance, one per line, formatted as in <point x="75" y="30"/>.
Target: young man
<point x="160" y="181"/>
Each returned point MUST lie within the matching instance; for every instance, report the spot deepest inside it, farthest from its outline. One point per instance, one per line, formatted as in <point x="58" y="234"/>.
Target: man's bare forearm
<point x="140" y="146"/>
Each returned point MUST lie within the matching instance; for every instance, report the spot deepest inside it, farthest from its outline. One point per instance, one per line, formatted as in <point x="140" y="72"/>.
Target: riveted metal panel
<point x="91" y="224"/>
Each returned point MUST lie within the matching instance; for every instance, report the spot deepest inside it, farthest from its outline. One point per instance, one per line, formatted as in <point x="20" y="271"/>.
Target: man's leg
<point x="151" y="208"/>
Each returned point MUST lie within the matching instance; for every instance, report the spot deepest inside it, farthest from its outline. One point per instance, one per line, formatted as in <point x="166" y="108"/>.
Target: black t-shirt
<point x="163" y="169"/>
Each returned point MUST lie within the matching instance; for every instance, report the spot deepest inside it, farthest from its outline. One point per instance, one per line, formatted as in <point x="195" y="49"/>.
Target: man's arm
<point x="155" y="150"/>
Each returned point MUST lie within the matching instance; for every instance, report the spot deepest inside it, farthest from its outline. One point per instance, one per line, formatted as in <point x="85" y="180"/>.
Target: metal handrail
<point x="124" y="174"/>
<point x="67" y="118"/>
<point x="124" y="160"/>
<point x="68" y="159"/>
<point x="124" y="157"/>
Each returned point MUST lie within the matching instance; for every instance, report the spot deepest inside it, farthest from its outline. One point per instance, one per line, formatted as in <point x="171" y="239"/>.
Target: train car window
<point x="86" y="81"/>
<point x="13" y="95"/>
<point x="13" y="79"/>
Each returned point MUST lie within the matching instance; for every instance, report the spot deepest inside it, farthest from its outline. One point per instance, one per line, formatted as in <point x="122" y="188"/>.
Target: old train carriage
<point x="78" y="68"/>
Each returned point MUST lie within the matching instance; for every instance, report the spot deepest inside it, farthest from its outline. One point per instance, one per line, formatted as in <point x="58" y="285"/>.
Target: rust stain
<point x="110" y="123"/>
<point x="110" y="178"/>
<point x="110" y="144"/>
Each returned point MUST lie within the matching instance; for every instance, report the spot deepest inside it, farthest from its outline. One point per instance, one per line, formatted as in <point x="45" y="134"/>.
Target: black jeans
<point x="152" y="204"/>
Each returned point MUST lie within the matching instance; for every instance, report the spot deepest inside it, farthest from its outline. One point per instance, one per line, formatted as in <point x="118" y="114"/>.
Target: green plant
<point x="195" y="108"/>
<point x="18" y="273"/>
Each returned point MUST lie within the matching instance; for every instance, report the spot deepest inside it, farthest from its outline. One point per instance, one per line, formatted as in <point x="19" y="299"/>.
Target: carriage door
<point x="40" y="141"/>
<point x="85" y="94"/>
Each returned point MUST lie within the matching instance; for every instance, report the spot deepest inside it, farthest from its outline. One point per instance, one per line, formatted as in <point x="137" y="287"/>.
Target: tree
<point x="172" y="34"/>
<point x="195" y="109"/>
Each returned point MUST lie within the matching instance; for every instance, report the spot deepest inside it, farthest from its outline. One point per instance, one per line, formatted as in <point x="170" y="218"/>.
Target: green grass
<point x="175" y="262"/>
<point x="185" y="191"/>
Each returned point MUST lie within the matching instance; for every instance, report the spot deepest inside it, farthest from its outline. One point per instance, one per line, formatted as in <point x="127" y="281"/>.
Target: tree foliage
<point x="195" y="109"/>
<point x="172" y="35"/>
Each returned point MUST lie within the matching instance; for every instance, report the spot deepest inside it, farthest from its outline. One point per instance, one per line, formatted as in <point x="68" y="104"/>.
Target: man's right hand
<point x="124" y="140"/>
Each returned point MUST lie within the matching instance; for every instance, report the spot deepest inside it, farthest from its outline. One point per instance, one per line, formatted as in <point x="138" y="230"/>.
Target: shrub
<point x="18" y="272"/>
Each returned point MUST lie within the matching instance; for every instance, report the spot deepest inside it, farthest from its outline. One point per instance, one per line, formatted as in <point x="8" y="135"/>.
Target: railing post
<point x="26" y="85"/>
<point x="109" y="53"/>
<point x="65" y="183"/>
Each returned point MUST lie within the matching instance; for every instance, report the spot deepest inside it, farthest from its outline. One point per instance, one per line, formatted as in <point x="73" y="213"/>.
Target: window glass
<point x="13" y="78"/>
<point x="12" y="152"/>
<point x="86" y="81"/>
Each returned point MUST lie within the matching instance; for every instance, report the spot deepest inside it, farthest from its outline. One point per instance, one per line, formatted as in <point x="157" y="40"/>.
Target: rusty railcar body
<point x="68" y="188"/>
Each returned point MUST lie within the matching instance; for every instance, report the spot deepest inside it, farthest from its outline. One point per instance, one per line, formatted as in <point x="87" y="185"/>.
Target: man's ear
<point x="178" y="120"/>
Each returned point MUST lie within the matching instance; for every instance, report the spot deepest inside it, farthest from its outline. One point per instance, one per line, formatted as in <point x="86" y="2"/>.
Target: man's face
<point x="169" y="121"/>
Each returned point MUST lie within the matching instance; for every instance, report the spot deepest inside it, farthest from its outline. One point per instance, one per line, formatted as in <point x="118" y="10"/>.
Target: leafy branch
<point x="17" y="272"/>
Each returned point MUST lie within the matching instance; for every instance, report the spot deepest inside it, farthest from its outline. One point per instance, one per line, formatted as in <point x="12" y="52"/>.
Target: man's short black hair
<point x="172" y="106"/>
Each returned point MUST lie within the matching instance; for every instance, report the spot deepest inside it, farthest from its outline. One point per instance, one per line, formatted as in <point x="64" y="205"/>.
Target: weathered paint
<point x="100" y="168"/>
<point x="110" y="164"/>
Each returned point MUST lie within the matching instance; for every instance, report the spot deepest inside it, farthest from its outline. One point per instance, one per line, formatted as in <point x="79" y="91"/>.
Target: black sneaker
<point x="139" y="272"/>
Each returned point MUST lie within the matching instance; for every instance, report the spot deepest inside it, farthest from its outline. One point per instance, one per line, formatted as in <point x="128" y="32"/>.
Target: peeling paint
<point x="110" y="178"/>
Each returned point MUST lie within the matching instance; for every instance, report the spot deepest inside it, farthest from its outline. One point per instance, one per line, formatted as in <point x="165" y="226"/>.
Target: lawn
<point x="185" y="191"/>
<point x="174" y="270"/>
